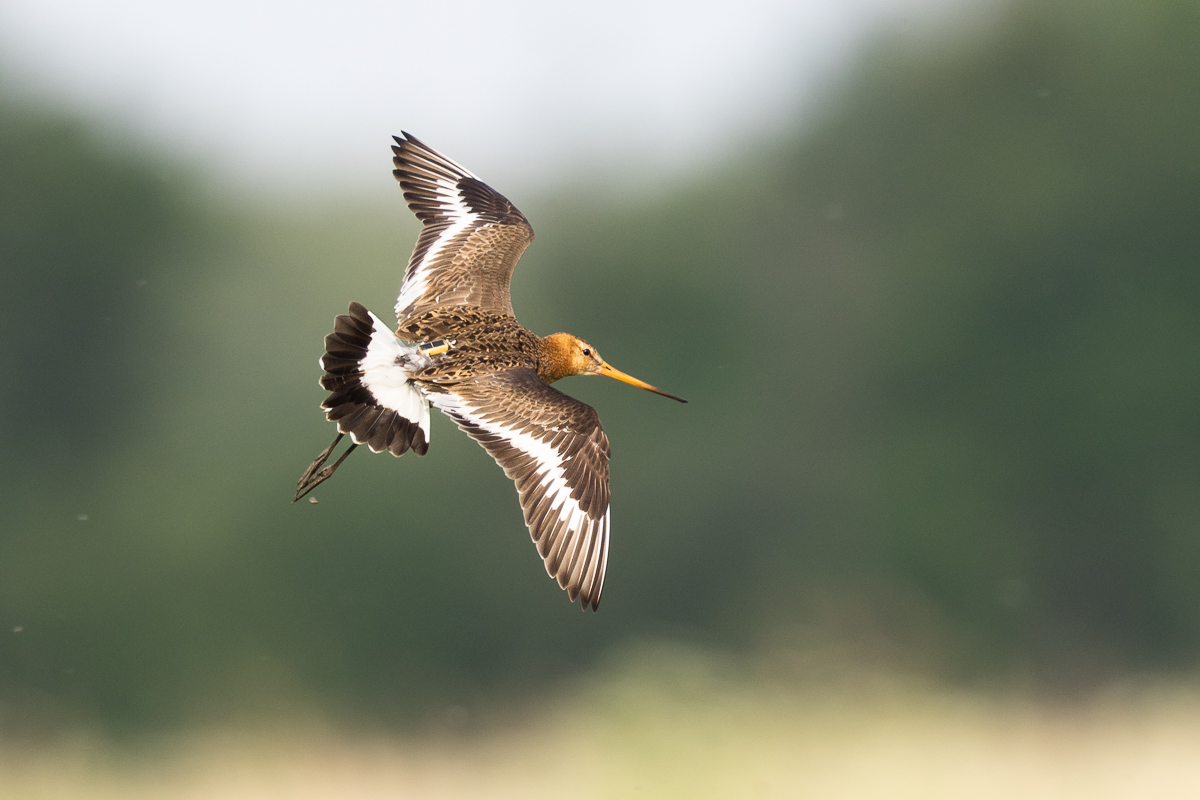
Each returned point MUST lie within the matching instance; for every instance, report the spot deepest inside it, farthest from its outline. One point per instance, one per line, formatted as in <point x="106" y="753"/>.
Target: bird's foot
<point x="311" y="478"/>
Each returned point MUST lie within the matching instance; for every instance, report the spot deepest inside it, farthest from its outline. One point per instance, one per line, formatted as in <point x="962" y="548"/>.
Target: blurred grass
<point x="674" y="723"/>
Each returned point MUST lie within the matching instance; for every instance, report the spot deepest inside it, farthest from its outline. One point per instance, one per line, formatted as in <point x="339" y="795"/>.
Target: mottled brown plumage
<point x="458" y="347"/>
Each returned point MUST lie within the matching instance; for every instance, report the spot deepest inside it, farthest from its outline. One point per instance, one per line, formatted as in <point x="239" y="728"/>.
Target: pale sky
<point x="302" y="96"/>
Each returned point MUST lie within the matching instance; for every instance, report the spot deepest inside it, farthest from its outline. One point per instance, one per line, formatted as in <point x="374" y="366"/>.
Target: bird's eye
<point x="587" y="352"/>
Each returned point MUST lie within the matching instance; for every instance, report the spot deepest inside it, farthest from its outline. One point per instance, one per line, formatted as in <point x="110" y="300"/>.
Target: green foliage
<point x="83" y="232"/>
<point x="939" y="347"/>
<point x="1036" y="376"/>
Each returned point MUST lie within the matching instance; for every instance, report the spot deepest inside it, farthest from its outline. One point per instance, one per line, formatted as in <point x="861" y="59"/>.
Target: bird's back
<point x="478" y="342"/>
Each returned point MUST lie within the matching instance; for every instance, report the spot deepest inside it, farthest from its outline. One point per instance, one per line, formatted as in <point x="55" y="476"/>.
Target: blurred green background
<point x="941" y="343"/>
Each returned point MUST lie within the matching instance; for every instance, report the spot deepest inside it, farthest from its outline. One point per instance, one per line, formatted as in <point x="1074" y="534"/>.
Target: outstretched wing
<point x="553" y="448"/>
<point x="471" y="240"/>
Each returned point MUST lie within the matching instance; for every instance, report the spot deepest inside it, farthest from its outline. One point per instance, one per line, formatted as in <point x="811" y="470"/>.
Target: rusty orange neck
<point x="558" y="357"/>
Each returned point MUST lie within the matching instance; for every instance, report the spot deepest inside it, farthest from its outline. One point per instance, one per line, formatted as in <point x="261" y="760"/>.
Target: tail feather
<point x="371" y="397"/>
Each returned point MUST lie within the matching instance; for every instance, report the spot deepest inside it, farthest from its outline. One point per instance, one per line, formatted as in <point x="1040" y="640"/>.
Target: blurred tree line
<point x="941" y="346"/>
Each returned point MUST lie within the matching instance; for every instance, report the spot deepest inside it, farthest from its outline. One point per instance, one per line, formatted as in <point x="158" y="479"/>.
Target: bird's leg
<point x="311" y="479"/>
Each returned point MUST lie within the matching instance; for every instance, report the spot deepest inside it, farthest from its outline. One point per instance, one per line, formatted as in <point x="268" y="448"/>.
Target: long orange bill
<point x="605" y="369"/>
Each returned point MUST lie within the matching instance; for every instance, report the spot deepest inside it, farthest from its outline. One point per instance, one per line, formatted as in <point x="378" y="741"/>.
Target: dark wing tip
<point x="408" y="139"/>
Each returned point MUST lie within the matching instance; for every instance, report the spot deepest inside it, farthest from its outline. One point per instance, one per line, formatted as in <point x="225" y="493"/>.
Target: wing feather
<point x="552" y="446"/>
<point x="471" y="240"/>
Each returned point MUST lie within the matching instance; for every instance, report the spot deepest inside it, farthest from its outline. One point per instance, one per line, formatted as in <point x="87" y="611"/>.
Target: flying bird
<point x="458" y="347"/>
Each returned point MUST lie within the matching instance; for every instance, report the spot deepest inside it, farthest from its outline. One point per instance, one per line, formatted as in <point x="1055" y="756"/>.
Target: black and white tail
<point x="371" y="396"/>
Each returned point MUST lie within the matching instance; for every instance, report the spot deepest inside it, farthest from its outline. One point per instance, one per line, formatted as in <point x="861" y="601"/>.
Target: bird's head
<point x="566" y="355"/>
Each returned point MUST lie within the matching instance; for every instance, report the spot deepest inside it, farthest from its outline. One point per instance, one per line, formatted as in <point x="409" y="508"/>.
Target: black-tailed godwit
<point x="458" y="347"/>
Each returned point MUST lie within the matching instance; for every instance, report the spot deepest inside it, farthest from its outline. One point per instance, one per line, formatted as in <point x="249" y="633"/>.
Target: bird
<point x="457" y="346"/>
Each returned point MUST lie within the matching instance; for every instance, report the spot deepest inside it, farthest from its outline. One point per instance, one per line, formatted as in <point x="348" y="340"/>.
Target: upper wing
<point x="554" y="449"/>
<point x="471" y="240"/>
